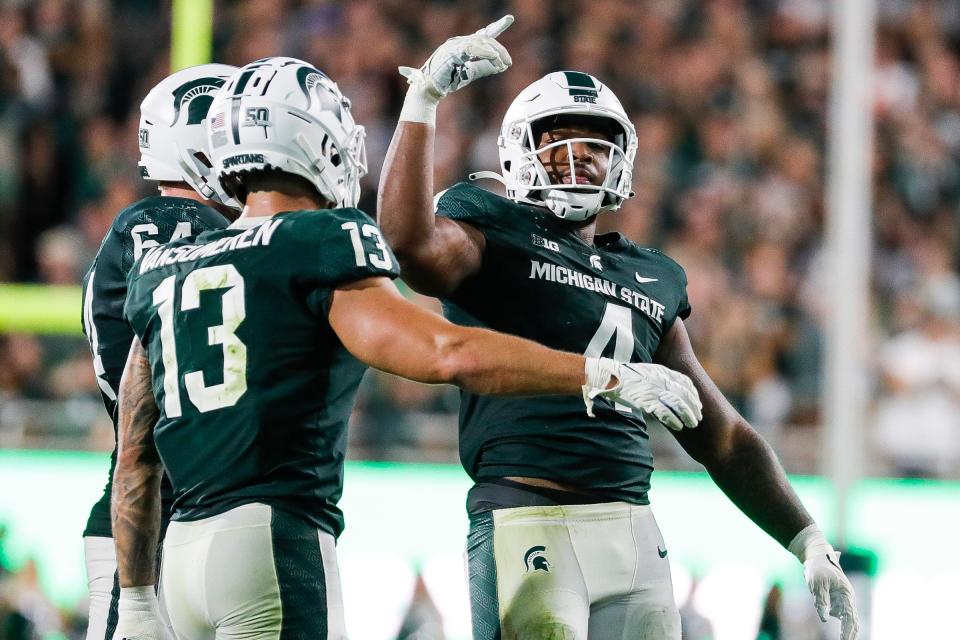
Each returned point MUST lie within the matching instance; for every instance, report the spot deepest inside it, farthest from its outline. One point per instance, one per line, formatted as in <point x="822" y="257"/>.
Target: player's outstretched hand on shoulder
<point x="138" y="616"/>
<point x="455" y="64"/>
<point x="667" y="395"/>
<point x="832" y="592"/>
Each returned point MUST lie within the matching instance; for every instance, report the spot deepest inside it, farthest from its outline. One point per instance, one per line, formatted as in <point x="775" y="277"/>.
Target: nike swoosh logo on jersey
<point x="643" y="280"/>
<point x="663" y="554"/>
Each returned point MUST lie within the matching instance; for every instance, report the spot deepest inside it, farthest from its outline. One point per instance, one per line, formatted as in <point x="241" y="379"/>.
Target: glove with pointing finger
<point x="455" y="64"/>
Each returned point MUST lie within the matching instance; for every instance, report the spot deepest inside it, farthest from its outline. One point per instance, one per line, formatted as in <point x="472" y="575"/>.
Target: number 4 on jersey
<point x="616" y="324"/>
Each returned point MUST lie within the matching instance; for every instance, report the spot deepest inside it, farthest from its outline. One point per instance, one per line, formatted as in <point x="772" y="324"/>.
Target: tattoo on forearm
<point x="135" y="503"/>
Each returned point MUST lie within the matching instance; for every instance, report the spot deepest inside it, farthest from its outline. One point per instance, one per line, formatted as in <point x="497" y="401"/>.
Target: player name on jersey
<point x="258" y="236"/>
<point x="573" y="278"/>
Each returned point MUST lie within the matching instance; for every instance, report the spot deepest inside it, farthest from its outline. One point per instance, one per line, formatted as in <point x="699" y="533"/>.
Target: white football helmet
<point x="173" y="140"/>
<point x="285" y="114"/>
<point x="565" y="93"/>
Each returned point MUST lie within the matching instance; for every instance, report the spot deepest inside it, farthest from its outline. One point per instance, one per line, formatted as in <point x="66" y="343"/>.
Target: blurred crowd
<point x="26" y="613"/>
<point x="729" y="98"/>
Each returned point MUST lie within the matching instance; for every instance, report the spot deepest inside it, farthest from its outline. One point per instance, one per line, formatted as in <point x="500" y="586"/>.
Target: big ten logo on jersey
<point x="256" y="117"/>
<point x="540" y="241"/>
<point x="142" y="243"/>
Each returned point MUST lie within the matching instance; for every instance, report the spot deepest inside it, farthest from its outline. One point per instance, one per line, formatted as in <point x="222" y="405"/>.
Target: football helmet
<point x="285" y="114"/>
<point x="172" y="138"/>
<point x="555" y="96"/>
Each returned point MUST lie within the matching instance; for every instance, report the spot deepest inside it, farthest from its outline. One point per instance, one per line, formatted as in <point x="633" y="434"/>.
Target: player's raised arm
<point x="381" y="328"/>
<point x="436" y="253"/>
<point x="747" y="470"/>
<point x="135" y="503"/>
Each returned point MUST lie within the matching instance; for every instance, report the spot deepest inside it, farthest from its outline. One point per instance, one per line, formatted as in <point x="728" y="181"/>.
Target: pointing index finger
<point x="494" y="29"/>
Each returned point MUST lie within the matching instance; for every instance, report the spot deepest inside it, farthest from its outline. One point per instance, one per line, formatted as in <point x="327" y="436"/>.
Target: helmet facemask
<point x="344" y="189"/>
<point x="571" y="200"/>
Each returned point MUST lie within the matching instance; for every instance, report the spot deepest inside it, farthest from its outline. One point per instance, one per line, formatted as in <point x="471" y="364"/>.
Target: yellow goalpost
<point x="191" y="33"/>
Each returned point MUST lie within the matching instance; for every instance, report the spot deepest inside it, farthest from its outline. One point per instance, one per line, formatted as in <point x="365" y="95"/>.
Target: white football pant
<point x="596" y="571"/>
<point x="100" y="556"/>
<point x="252" y="573"/>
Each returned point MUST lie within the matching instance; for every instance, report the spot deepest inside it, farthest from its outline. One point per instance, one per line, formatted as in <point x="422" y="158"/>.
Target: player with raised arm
<point x="173" y="153"/>
<point x="562" y="541"/>
<point x="254" y="339"/>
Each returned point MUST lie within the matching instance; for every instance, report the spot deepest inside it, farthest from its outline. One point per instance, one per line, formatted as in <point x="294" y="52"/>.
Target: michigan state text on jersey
<point x="540" y="280"/>
<point x="144" y="225"/>
<point x="254" y="387"/>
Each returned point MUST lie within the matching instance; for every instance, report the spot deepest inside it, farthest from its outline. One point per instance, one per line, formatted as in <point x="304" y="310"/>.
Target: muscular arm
<point x="380" y="327"/>
<point x="742" y="464"/>
<point x="435" y="253"/>
<point x="135" y="503"/>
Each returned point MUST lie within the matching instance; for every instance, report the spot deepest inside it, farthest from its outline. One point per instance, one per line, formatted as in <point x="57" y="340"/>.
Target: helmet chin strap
<point x="492" y="175"/>
<point x="199" y="184"/>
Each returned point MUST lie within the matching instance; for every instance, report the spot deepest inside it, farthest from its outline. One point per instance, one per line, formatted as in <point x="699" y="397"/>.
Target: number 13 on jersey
<point x="381" y="260"/>
<point x="205" y="398"/>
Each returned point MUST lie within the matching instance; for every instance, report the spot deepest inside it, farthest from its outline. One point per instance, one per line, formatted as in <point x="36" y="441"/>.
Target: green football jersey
<point x="254" y="387"/>
<point x="141" y="226"/>
<point x="541" y="281"/>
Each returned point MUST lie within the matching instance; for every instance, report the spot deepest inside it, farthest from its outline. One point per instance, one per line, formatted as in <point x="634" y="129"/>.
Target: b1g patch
<point x="535" y="559"/>
<point x="540" y="241"/>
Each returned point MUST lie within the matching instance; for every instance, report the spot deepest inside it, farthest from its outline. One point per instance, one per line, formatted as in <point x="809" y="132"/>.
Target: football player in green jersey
<point x="251" y="342"/>
<point x="173" y="154"/>
<point x="562" y="541"/>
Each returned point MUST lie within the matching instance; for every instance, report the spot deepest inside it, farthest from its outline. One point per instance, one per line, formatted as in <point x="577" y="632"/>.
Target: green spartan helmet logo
<point x="196" y="95"/>
<point x="535" y="560"/>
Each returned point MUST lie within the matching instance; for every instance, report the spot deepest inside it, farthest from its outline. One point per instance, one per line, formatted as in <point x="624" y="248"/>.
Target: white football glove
<point x="667" y="395"/>
<point x="832" y="593"/>
<point x="138" y="616"/>
<point x="455" y="64"/>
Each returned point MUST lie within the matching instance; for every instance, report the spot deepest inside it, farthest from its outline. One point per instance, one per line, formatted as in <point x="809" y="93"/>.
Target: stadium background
<point x="729" y="98"/>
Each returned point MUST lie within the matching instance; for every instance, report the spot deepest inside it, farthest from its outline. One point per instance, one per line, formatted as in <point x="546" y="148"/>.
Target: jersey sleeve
<point x="341" y="246"/>
<point x="465" y="202"/>
<point x="682" y="308"/>
<point x="677" y="303"/>
<point x="106" y="283"/>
